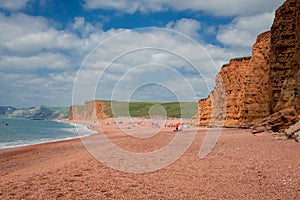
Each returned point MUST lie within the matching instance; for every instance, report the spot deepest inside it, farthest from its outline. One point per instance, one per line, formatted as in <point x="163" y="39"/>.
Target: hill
<point x="38" y="112"/>
<point x="101" y="109"/>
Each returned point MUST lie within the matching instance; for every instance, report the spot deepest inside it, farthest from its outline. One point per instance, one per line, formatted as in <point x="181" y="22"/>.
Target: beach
<point x="240" y="166"/>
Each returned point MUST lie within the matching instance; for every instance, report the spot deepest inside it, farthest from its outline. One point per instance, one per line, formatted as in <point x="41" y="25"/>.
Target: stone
<point x="294" y="131"/>
<point x="278" y="122"/>
<point x="297" y="136"/>
<point x="260" y="129"/>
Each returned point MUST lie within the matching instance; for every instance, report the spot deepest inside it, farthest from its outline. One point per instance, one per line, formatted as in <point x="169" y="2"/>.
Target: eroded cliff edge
<point x="251" y="89"/>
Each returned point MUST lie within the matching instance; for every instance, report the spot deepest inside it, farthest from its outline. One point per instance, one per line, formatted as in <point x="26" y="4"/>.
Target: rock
<point x="297" y="136"/>
<point x="294" y="132"/>
<point x="280" y="136"/>
<point x="259" y="129"/>
<point x="278" y="121"/>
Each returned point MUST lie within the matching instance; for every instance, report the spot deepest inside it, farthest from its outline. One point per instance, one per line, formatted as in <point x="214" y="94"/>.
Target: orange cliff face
<point x="257" y="95"/>
<point x="92" y="110"/>
<point x="285" y="57"/>
<point x="242" y="93"/>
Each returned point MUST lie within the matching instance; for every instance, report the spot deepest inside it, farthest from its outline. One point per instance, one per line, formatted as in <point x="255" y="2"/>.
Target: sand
<point x="240" y="166"/>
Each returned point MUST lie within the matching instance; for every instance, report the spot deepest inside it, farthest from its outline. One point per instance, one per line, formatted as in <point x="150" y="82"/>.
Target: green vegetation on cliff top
<point x="143" y="109"/>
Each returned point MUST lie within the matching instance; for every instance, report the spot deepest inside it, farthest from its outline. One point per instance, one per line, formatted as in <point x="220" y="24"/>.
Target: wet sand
<point x="240" y="166"/>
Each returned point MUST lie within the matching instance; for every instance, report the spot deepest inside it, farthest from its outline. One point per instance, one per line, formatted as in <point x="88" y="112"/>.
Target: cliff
<point x="285" y="57"/>
<point x="249" y="90"/>
<point x="241" y="95"/>
<point x="92" y="110"/>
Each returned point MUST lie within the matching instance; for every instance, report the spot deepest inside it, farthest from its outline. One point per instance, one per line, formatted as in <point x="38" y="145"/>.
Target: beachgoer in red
<point x="176" y="126"/>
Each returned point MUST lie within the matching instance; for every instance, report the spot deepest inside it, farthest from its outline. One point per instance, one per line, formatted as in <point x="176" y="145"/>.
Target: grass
<point x="143" y="109"/>
<point x="241" y="58"/>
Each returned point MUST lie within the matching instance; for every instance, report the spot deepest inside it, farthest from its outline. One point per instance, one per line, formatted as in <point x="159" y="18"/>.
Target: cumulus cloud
<point x="24" y="34"/>
<point x="186" y="26"/>
<point x="135" y="58"/>
<point x="85" y="28"/>
<point x="52" y="61"/>
<point x="23" y="89"/>
<point x="215" y="7"/>
<point x="242" y="32"/>
<point x="34" y="47"/>
<point x="31" y="48"/>
<point x="13" y="5"/>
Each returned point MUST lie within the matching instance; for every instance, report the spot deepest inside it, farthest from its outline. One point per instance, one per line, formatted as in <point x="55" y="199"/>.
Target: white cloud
<point x="13" y="5"/>
<point x="21" y="89"/>
<point x="25" y="34"/>
<point x="84" y="28"/>
<point x="113" y="61"/>
<point x="40" y="61"/>
<point x="242" y="32"/>
<point x="32" y="46"/>
<point x="215" y="7"/>
<point x="17" y="25"/>
<point x="186" y="26"/>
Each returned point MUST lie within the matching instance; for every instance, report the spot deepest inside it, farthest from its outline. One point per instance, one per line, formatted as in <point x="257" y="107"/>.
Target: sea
<point x="24" y="132"/>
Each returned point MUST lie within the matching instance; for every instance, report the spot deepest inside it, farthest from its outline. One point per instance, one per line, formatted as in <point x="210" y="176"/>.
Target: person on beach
<point x="177" y="126"/>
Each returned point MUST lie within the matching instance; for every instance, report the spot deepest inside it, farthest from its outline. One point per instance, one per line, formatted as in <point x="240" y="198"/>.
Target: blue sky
<point x="59" y="52"/>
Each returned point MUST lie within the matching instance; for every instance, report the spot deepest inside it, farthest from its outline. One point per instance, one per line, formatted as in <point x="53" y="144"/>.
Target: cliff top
<point x="246" y="58"/>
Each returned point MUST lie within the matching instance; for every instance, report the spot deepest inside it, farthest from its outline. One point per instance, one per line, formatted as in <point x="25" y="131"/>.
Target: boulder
<point x="277" y="122"/>
<point x="294" y="132"/>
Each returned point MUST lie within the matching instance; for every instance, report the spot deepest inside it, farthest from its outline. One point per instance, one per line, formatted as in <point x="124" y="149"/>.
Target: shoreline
<point x="84" y="126"/>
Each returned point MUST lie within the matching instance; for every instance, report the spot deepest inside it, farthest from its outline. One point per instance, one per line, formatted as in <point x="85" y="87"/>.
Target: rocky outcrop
<point x="266" y="84"/>
<point x="277" y="122"/>
<point x="92" y="110"/>
<point x="285" y="57"/>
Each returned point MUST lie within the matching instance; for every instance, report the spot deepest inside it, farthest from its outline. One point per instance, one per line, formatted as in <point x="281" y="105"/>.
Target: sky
<point x="63" y="52"/>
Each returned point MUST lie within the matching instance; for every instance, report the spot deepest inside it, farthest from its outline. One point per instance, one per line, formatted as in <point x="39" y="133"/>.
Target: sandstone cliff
<point x="248" y="90"/>
<point x="285" y="57"/>
<point x="241" y="95"/>
<point x="92" y="110"/>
